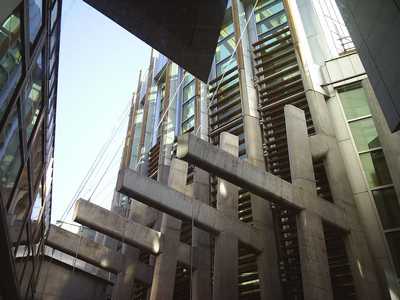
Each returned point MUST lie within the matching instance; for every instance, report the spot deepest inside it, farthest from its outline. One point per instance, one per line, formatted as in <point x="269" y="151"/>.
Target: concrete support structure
<point x="267" y="261"/>
<point x="262" y="183"/>
<point x="180" y="206"/>
<point x="226" y="245"/>
<point x="312" y="247"/>
<point x="166" y="262"/>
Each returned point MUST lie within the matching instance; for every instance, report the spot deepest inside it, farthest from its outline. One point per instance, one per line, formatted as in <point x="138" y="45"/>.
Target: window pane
<point x="189" y="91"/>
<point x="37" y="156"/>
<point x="10" y="157"/>
<point x="364" y="134"/>
<point x="225" y="49"/>
<point x="10" y="58"/>
<point x="226" y="31"/>
<point x="35" y="18"/>
<point x="388" y="207"/>
<point x="354" y="101"/>
<point x="21" y="200"/>
<point x="33" y="98"/>
<point x="188" y="125"/>
<point x="271" y="23"/>
<point x="54" y="12"/>
<point x="375" y="168"/>
<point x="37" y="205"/>
<point x="268" y="11"/>
<point x="188" y="110"/>
<point x="393" y="239"/>
<point x="225" y="66"/>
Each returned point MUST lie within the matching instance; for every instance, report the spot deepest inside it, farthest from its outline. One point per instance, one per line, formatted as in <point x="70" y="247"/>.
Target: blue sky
<point x="98" y="72"/>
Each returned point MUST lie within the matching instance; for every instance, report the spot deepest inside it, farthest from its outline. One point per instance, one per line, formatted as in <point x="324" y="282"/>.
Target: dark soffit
<point x="184" y="31"/>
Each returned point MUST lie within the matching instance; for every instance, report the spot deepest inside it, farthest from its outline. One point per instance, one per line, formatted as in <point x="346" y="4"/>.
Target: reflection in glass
<point x="188" y="125"/>
<point x="37" y="205"/>
<point x="393" y="239"/>
<point x="188" y="110"/>
<point x="271" y="23"/>
<point x="364" y="134"/>
<point x="10" y="157"/>
<point x="354" y="101"/>
<point x="225" y="49"/>
<point x="388" y="207"/>
<point x="266" y="11"/>
<point x="35" y="18"/>
<point x="189" y="91"/>
<point x="375" y="168"/>
<point x="33" y="98"/>
<point x="37" y="156"/>
<point x="10" y="58"/>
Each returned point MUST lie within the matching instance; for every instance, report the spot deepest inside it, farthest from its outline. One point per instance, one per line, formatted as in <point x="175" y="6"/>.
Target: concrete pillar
<point x="165" y="264"/>
<point x="267" y="261"/>
<point x="201" y="276"/>
<point x="226" y="245"/>
<point x="366" y="281"/>
<point x="312" y="247"/>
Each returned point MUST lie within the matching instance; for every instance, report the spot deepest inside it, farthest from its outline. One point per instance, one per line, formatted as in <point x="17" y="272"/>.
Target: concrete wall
<point x="374" y="26"/>
<point x="58" y="281"/>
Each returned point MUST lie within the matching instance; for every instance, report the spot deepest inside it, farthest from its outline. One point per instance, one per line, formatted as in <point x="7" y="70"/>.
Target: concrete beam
<point x="94" y="253"/>
<point x="259" y="182"/>
<point x="176" y="204"/>
<point x="85" y="249"/>
<point x="120" y="228"/>
<point x="117" y="227"/>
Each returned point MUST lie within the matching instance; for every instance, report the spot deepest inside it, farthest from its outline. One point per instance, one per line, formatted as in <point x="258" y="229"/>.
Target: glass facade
<point x="28" y="89"/>
<point x="188" y="103"/>
<point x="355" y="105"/>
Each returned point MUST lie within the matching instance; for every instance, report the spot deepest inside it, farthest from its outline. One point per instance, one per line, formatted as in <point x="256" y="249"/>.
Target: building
<point x="289" y="53"/>
<point x="278" y="178"/>
<point x="29" y="41"/>
<point x="370" y="24"/>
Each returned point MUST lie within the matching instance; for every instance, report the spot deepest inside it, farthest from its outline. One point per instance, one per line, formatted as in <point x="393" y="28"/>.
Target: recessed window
<point x="394" y="245"/>
<point x="375" y="168"/>
<point x="364" y="134"/>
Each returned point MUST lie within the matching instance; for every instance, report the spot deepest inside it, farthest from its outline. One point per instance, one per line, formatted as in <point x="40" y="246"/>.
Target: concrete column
<point x="367" y="283"/>
<point x="226" y="245"/>
<point x="165" y="264"/>
<point x="201" y="276"/>
<point x="312" y="247"/>
<point x="267" y="261"/>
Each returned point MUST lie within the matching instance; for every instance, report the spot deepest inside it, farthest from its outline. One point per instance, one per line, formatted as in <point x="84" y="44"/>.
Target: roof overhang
<point x="184" y="31"/>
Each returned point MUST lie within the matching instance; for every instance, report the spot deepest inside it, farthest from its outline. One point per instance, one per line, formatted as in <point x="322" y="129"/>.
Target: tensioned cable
<point x="95" y="164"/>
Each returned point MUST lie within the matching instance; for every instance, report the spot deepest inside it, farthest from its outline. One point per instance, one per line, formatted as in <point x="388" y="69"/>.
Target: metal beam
<point x="257" y="181"/>
<point x="176" y="204"/>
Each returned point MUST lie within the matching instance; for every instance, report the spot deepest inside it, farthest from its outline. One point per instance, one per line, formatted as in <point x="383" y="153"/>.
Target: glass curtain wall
<point x="354" y="102"/>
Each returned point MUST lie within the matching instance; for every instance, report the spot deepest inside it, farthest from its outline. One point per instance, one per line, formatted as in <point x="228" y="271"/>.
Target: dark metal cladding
<point x="184" y="31"/>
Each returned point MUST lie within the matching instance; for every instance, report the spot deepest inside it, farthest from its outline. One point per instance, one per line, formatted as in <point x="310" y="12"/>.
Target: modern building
<point x="29" y="41"/>
<point x="275" y="54"/>
<point x="277" y="178"/>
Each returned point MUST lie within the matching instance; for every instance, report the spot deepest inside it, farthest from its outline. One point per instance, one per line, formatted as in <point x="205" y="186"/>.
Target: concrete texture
<point x="166" y="262"/>
<point x="225" y="280"/>
<point x="261" y="183"/>
<point x="312" y="247"/>
<point x="180" y="206"/>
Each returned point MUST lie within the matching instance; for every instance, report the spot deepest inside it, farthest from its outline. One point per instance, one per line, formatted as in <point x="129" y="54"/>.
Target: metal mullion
<point x="382" y="187"/>
<point x="370" y="150"/>
<point x="360" y="118"/>
<point x="396" y="229"/>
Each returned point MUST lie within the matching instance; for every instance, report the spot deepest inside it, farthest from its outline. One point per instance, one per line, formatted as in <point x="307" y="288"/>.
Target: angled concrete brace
<point x="259" y="182"/>
<point x="93" y="253"/>
<point x="180" y="206"/>
<point x="118" y="227"/>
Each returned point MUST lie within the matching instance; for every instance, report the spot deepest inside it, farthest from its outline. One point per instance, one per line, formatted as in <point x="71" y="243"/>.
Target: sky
<point x="98" y="72"/>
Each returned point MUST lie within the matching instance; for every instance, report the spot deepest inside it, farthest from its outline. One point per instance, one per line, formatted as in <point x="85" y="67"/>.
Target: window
<point x="226" y="46"/>
<point x="10" y="58"/>
<point x="36" y="158"/>
<point x="35" y="18"/>
<point x="188" y="103"/>
<point x="54" y="14"/>
<point x="355" y="105"/>
<point x="10" y="157"/>
<point x="375" y="168"/>
<point x="33" y="98"/>
<point x="388" y="207"/>
<point x="394" y="245"/>
<point x="269" y="15"/>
